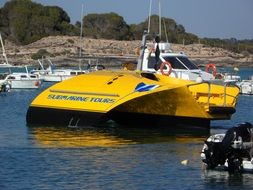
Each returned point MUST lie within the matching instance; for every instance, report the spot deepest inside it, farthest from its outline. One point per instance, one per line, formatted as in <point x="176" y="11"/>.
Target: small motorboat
<point x="51" y="74"/>
<point x="232" y="151"/>
<point x="21" y="81"/>
<point x="246" y="86"/>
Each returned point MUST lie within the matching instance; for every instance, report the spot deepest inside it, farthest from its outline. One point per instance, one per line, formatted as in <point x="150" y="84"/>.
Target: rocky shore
<point x="66" y="49"/>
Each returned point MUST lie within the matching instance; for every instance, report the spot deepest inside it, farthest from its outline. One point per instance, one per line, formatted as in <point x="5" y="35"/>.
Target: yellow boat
<point x="133" y="97"/>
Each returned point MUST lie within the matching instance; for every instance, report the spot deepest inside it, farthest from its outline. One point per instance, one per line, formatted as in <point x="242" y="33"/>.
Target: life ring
<point x="213" y="67"/>
<point x="162" y="67"/>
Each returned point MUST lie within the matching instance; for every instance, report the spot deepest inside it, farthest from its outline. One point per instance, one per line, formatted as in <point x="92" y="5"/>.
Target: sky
<point x="205" y="18"/>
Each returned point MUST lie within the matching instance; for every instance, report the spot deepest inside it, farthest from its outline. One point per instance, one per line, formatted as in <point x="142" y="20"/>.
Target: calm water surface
<point x="110" y="157"/>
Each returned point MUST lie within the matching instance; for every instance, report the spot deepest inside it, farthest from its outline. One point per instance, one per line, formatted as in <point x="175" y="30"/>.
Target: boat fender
<point x="213" y="67"/>
<point x="37" y="83"/>
<point x="165" y="63"/>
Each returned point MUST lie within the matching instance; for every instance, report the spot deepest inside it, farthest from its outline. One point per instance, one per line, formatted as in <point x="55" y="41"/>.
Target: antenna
<point x="160" y="20"/>
<point x="149" y="15"/>
<point x="81" y="33"/>
<point x="165" y="31"/>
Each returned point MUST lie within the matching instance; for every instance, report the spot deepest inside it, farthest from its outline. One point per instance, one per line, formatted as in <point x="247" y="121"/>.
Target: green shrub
<point x="41" y="53"/>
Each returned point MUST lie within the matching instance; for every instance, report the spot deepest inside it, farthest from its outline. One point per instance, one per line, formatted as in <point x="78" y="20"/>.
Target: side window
<point x="11" y="77"/>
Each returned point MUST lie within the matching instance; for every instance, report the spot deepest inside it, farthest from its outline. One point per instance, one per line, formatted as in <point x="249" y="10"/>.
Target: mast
<point x="149" y="15"/>
<point x="166" y="35"/>
<point x="4" y="54"/>
<point x="81" y="34"/>
<point x="160" y="20"/>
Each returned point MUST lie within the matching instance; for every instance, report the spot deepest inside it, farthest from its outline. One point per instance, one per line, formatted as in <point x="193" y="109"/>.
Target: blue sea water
<point x="111" y="157"/>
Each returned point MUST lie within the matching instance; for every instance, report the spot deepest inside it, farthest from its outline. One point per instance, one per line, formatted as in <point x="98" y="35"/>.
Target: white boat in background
<point x="246" y="86"/>
<point x="51" y="74"/>
<point x="22" y="80"/>
<point x="3" y="62"/>
<point x="59" y="75"/>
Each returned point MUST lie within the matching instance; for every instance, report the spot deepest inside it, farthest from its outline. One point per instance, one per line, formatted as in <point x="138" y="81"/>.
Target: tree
<point x="24" y="21"/>
<point x="108" y="26"/>
<point x="176" y="33"/>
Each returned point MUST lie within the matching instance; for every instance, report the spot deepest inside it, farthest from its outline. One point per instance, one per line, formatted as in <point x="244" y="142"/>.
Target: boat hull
<point x="51" y="116"/>
<point x="55" y="78"/>
<point x="71" y="118"/>
<point x="25" y="84"/>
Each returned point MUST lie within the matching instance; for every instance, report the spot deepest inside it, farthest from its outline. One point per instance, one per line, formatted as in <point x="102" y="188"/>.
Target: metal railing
<point x="225" y="95"/>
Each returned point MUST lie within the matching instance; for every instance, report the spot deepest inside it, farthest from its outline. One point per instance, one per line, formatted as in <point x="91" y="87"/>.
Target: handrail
<point x="209" y="91"/>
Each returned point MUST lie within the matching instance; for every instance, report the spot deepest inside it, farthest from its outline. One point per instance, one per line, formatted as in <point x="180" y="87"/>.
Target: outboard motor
<point x="233" y="150"/>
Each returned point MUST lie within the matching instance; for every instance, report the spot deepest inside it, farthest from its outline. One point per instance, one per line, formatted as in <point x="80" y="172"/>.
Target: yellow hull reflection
<point x="73" y="138"/>
<point x="55" y="137"/>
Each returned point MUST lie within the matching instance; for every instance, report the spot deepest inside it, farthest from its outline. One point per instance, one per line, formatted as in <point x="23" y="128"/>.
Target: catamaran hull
<point x="45" y="116"/>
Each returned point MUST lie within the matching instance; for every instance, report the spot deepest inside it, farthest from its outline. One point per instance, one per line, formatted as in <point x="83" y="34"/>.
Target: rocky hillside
<point x="67" y="47"/>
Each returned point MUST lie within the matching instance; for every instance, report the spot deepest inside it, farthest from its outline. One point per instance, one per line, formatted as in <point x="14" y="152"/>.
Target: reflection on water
<point x="216" y="179"/>
<point x="67" y="137"/>
<point x="48" y="136"/>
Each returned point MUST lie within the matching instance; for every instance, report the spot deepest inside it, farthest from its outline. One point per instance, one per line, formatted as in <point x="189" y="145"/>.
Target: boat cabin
<point x="173" y="64"/>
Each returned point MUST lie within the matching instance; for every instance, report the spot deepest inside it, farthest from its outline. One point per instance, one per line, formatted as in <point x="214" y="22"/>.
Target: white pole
<point x="160" y="20"/>
<point x="4" y="54"/>
<point x="165" y="30"/>
<point x="81" y="33"/>
<point x="149" y="15"/>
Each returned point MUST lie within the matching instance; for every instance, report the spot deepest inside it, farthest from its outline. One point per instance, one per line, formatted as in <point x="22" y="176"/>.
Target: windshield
<point x="181" y="63"/>
<point x="176" y="62"/>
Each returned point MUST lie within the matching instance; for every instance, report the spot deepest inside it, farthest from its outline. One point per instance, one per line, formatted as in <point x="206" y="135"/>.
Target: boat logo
<point x="142" y="87"/>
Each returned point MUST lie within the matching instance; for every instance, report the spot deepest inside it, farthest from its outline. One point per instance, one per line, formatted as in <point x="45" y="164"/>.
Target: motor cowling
<point x="230" y="149"/>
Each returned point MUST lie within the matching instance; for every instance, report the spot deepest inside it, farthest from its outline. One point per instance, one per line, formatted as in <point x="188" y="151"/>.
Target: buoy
<point x="236" y="69"/>
<point x="185" y="162"/>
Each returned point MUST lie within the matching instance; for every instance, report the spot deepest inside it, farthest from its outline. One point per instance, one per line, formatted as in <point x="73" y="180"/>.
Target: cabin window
<point x="100" y="67"/>
<point x="188" y="63"/>
<point x="23" y="76"/>
<point x="175" y="63"/>
<point x="72" y="73"/>
<point x="11" y="77"/>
